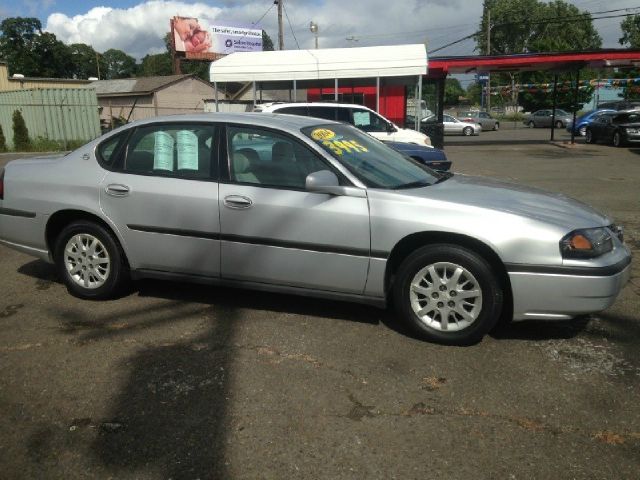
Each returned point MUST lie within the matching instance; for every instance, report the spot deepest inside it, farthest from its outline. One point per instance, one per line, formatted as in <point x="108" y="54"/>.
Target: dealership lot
<point x="187" y="381"/>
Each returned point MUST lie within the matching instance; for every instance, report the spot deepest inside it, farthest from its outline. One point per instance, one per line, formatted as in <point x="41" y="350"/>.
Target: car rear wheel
<point x="448" y="294"/>
<point x="496" y="126"/>
<point x="467" y="131"/>
<point x="617" y="139"/>
<point x="531" y="124"/>
<point x="90" y="261"/>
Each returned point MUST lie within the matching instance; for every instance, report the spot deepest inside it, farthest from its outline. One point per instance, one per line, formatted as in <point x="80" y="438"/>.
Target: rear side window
<point x="327" y="113"/>
<point x="368" y="121"/>
<point x="109" y="150"/>
<point x="175" y="150"/>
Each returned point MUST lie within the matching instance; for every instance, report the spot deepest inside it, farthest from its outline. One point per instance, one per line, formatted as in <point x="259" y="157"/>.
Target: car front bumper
<point x="543" y="295"/>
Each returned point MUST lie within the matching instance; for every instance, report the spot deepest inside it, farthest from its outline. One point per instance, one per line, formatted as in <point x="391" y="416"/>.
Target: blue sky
<point x="137" y="27"/>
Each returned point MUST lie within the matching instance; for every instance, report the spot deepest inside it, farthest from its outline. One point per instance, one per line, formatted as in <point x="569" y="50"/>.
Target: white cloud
<point x="140" y="30"/>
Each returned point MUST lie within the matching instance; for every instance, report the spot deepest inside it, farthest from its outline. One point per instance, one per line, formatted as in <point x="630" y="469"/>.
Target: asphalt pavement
<point x="187" y="381"/>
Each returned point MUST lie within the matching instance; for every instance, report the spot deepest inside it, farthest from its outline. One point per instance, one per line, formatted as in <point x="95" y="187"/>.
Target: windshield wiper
<point x="419" y="183"/>
<point x="445" y="176"/>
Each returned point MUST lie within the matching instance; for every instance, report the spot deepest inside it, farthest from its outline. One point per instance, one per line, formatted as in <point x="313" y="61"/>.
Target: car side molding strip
<point x="607" y="271"/>
<point x="267" y="242"/>
<point x="17" y="213"/>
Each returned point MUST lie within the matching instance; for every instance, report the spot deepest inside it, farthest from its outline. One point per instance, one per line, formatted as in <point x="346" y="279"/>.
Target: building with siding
<point x="8" y="84"/>
<point x="128" y="99"/>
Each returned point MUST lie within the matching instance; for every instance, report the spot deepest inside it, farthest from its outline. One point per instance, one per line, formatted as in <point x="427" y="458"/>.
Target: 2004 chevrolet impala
<point x="302" y="205"/>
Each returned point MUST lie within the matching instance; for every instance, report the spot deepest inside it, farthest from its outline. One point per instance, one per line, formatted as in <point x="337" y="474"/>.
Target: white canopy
<point x="328" y="63"/>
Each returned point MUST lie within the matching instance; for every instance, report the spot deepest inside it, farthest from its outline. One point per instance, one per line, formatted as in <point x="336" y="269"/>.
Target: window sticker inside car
<point x="340" y="146"/>
<point x="187" y="150"/>
<point x="323" y="134"/>
<point x="163" y="151"/>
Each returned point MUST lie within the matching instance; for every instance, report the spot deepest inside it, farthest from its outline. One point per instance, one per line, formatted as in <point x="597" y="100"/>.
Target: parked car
<point x="358" y="115"/>
<point x="585" y="120"/>
<point x="483" y="118"/>
<point x="312" y="207"/>
<point x="620" y="105"/>
<point x="453" y="126"/>
<point x="429" y="156"/>
<point x="618" y="128"/>
<point x="543" y="118"/>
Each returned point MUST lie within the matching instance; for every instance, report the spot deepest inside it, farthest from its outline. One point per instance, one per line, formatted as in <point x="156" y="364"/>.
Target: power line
<point x="264" y="15"/>
<point x="290" y="27"/>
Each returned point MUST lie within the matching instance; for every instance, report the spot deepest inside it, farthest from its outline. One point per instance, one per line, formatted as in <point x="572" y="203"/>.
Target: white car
<point x="357" y="115"/>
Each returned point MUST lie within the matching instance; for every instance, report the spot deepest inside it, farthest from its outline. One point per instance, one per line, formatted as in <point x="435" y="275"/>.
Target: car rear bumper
<point x="539" y="295"/>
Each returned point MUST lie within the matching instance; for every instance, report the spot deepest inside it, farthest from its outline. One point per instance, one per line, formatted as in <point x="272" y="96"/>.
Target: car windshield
<point x="374" y="163"/>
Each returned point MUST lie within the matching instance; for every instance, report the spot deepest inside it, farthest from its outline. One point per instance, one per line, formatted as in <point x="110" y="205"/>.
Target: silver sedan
<point x="312" y="207"/>
<point x="453" y="126"/>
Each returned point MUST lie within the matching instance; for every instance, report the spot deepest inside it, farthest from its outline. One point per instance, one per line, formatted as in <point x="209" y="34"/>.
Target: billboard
<point x="197" y="39"/>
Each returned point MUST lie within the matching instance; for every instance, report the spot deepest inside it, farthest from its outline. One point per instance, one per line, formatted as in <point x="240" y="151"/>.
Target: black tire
<point x="496" y="126"/>
<point x="467" y="131"/>
<point x="116" y="278"/>
<point x="491" y="295"/>
<point x="588" y="136"/>
<point x="617" y="139"/>
<point x="531" y="124"/>
<point x="559" y="124"/>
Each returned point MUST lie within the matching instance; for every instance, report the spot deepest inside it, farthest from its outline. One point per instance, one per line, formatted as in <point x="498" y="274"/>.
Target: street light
<point x="313" y="26"/>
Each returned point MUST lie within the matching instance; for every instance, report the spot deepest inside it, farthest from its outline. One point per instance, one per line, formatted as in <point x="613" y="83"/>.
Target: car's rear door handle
<point x="237" y="201"/>
<point x="117" y="190"/>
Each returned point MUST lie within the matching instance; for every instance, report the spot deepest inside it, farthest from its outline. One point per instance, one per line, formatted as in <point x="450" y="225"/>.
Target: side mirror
<point x="391" y="128"/>
<point x="325" y="181"/>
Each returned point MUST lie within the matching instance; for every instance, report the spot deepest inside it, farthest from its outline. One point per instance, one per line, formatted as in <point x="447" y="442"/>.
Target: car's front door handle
<point x="237" y="201"/>
<point x="117" y="190"/>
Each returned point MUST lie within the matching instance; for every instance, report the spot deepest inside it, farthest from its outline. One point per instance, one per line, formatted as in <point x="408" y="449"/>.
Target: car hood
<point x="482" y="192"/>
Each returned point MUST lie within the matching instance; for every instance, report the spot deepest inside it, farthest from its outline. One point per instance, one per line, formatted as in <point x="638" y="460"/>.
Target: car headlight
<point x="586" y="243"/>
<point x="427" y="141"/>
<point x="632" y="130"/>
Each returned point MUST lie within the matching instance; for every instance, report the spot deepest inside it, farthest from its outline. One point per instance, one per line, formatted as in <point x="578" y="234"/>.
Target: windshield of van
<point x="373" y="162"/>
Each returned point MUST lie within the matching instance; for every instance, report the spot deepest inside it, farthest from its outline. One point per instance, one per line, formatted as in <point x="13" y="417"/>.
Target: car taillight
<point x="2" y="184"/>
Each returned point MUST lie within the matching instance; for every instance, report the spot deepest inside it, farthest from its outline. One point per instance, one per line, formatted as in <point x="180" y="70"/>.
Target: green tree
<point x="267" y="43"/>
<point x="452" y="91"/>
<point x="158" y="64"/>
<point x="3" y="141"/>
<point x="474" y="93"/>
<point x="84" y="61"/>
<point x="54" y="57"/>
<point x="16" y="37"/>
<point x="21" y="141"/>
<point x="118" y="64"/>
<point x="630" y="27"/>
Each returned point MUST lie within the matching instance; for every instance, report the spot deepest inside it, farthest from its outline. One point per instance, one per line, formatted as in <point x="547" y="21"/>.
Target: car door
<point x="274" y="231"/>
<point x="163" y="198"/>
<point x="450" y="125"/>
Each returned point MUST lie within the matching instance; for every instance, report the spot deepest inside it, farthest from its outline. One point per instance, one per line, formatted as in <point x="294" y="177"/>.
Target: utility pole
<point x="488" y="53"/>
<point x="280" y="33"/>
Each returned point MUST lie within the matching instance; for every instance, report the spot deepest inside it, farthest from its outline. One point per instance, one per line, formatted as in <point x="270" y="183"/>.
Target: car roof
<point x="289" y="122"/>
<point x="311" y="104"/>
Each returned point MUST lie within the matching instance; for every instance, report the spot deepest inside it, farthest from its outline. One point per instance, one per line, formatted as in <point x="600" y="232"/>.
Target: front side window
<point x="176" y="150"/>
<point x="368" y="121"/>
<point x="375" y="164"/>
<point x="266" y="158"/>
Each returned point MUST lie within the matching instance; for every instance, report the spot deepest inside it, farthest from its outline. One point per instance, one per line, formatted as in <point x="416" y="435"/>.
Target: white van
<point x="358" y="115"/>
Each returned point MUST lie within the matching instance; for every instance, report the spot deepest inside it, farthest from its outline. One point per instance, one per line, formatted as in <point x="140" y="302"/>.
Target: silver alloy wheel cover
<point x="87" y="261"/>
<point x="582" y="130"/>
<point x="445" y="297"/>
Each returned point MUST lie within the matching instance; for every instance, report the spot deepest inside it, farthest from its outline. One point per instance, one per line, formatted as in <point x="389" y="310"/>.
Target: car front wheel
<point x="559" y="124"/>
<point x="617" y="139"/>
<point x="467" y="131"/>
<point x="448" y="294"/>
<point x="90" y="261"/>
<point x="496" y="126"/>
<point x="582" y="131"/>
<point x="588" y="136"/>
<point x="531" y="124"/>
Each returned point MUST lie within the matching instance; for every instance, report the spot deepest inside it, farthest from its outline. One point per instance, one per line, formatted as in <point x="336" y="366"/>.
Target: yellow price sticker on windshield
<point x="340" y="146"/>
<point x="323" y="134"/>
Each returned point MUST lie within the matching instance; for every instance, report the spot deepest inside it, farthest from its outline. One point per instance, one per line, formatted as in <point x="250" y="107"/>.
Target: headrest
<point x="282" y="152"/>
<point x="241" y="163"/>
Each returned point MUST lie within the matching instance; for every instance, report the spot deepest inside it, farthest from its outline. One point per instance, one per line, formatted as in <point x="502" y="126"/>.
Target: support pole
<point x="254" y="94"/>
<point x="555" y="101"/>
<point x="280" y="32"/>
<point x="489" y="53"/>
<point x="575" y="106"/>
<point x="295" y="91"/>
<point x="335" y="91"/>
<point x="419" y="104"/>
<point x="377" y="94"/>
<point x="215" y="94"/>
